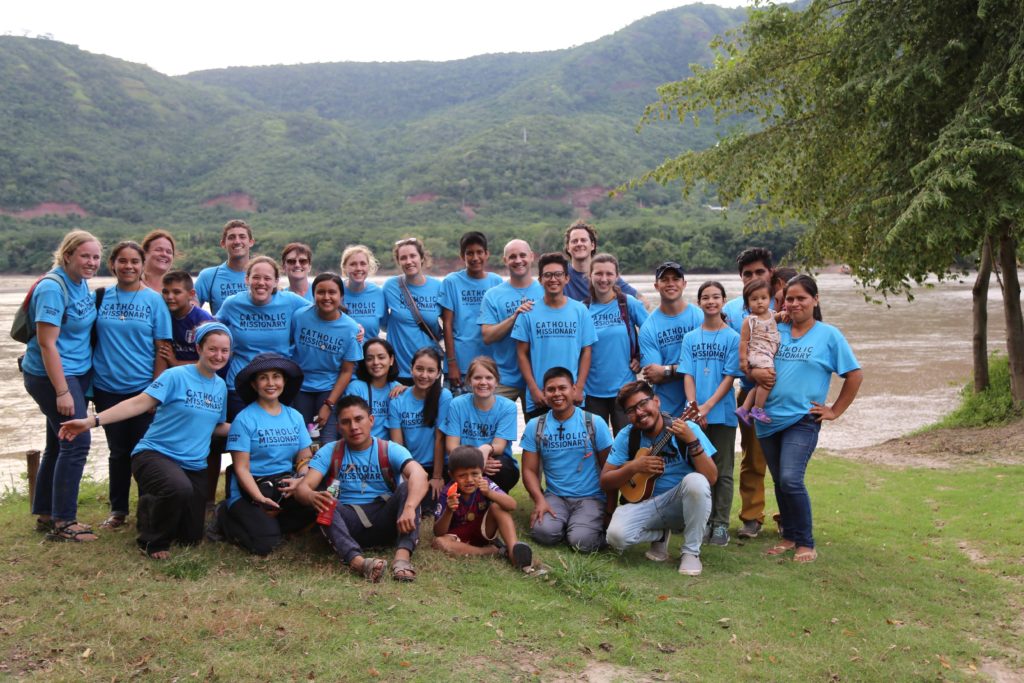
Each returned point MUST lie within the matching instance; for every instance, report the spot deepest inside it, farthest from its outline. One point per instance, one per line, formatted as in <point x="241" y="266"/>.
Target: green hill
<point x="514" y="144"/>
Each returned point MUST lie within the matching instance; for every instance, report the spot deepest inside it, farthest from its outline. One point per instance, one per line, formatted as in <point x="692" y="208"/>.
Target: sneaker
<point x="750" y="529"/>
<point x="744" y="415"/>
<point x="720" y="536"/>
<point x="689" y="565"/>
<point x="659" y="549"/>
<point x="707" y="535"/>
<point x="759" y="415"/>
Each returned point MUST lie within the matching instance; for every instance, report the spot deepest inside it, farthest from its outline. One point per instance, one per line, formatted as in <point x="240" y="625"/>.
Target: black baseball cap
<point x="666" y="266"/>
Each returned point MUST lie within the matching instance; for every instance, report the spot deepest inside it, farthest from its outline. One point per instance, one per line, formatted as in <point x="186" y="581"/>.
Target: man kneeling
<point x="570" y="446"/>
<point x="677" y="455"/>
<point x="368" y="508"/>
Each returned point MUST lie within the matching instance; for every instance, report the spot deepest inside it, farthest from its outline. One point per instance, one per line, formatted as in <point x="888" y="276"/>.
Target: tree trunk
<point x="1012" y="311"/>
<point x="979" y="296"/>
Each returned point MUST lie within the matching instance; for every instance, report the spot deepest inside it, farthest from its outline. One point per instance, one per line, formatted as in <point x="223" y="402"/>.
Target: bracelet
<point x="97" y="416"/>
<point x="62" y="393"/>
<point x="329" y="403"/>
<point x="436" y="479"/>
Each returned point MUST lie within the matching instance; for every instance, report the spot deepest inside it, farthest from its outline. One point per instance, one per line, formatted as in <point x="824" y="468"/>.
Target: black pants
<point x="122" y="437"/>
<point x="172" y="502"/>
<point x="348" y="535"/>
<point x="508" y="476"/>
<point x="252" y="528"/>
<point x="607" y="409"/>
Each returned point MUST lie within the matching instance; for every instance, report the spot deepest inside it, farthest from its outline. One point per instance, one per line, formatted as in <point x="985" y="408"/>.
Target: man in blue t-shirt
<point x="571" y="451"/>
<point x="501" y="307"/>
<point x="684" y="471"/>
<point x="580" y="247"/>
<point x="558" y="331"/>
<point x="217" y="283"/>
<point x="372" y="509"/>
<point x="462" y="294"/>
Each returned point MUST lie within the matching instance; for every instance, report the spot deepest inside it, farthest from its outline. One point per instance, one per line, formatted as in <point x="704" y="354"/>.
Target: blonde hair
<point x="70" y="244"/>
<point x="354" y="249"/>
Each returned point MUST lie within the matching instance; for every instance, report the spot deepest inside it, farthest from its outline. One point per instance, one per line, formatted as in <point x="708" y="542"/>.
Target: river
<point x="915" y="355"/>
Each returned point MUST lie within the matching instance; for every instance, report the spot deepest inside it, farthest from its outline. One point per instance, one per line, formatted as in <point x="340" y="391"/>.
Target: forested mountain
<point x="334" y="153"/>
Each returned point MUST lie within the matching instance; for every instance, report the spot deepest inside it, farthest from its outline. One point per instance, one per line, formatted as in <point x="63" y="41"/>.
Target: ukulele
<point x="640" y="486"/>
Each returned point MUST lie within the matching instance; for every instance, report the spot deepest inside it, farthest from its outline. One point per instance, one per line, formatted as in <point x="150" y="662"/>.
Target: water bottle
<point x="325" y="516"/>
<point x="314" y="436"/>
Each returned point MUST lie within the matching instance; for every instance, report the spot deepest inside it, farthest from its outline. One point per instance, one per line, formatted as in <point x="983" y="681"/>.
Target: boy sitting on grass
<point x="474" y="510"/>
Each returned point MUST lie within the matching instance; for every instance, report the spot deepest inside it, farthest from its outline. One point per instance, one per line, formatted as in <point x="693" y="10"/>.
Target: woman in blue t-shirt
<point x="268" y="442"/>
<point x="169" y="463"/>
<point x="363" y="299"/>
<point x="415" y="418"/>
<point x="57" y="367"/>
<point x="132" y="326"/>
<point x="260" y="320"/>
<point x="809" y="352"/>
<point x="325" y="346"/>
<point x="376" y="383"/>
<point x="406" y="294"/>
<point x="616" y="353"/>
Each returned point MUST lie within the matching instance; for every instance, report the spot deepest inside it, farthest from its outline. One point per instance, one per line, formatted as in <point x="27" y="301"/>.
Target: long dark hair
<point x="713" y="283"/>
<point x="336" y="279"/>
<point x="810" y="286"/>
<point x="364" y="374"/>
<point x="432" y="400"/>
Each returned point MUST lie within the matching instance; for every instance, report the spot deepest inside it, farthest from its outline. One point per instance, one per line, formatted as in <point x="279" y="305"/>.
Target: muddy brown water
<point x="915" y="356"/>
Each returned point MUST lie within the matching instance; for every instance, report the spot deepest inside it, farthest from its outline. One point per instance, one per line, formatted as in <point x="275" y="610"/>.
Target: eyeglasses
<point x="631" y="411"/>
<point x="296" y="261"/>
<point x="552" y="275"/>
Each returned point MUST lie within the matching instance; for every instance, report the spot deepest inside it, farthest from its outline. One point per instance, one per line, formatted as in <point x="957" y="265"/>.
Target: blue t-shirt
<point x="368" y="308"/>
<point x="361" y="480"/>
<point x="183" y="333"/>
<point x="708" y="357"/>
<point x="803" y="370"/>
<point x="270" y="440"/>
<point x="567" y="456"/>
<point x="191" y="406"/>
<point x="476" y="427"/>
<point x="321" y="346"/>
<point x="463" y="296"/>
<point x="556" y="336"/>
<point x="379" y="404"/>
<point x="498" y="305"/>
<point x="661" y="342"/>
<point x="258" y="329"/>
<point x="217" y="283"/>
<point x="127" y="326"/>
<point x="578" y="286"/>
<point x="308" y="296"/>
<point x="406" y="413"/>
<point x="677" y="465"/>
<point x="609" y="367"/>
<point x="403" y="331"/>
<point x="74" y="343"/>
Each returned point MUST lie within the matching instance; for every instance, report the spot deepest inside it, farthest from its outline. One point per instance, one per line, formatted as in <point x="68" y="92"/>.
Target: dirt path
<point x="947" y="448"/>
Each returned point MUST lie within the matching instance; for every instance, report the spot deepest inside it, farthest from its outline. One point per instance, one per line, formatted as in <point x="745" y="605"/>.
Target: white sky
<point x="189" y="35"/>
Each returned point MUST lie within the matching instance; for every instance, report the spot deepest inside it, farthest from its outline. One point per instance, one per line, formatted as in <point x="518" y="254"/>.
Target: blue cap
<point x="207" y="328"/>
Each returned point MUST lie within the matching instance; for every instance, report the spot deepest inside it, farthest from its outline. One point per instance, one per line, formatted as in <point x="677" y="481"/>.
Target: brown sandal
<point x="373" y="569"/>
<point x="114" y="522"/>
<point x="779" y="549"/>
<point x="72" y="531"/>
<point x="403" y="571"/>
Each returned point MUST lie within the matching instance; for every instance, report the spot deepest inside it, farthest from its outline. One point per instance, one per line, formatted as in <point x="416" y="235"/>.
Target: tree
<point x="894" y="130"/>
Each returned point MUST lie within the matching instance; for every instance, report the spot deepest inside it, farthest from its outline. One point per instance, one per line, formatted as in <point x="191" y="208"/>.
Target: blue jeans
<point x="308" y="404"/>
<point x="60" y="472"/>
<point x="787" y="453"/>
<point x="122" y="437"/>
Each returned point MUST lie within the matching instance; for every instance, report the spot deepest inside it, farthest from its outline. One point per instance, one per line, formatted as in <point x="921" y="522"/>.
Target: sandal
<point x="114" y="522"/>
<point x="159" y="555"/>
<point x="373" y="569"/>
<point x="403" y="571"/>
<point x="71" y="531"/>
<point x="806" y="556"/>
<point x="44" y="526"/>
<point x="779" y="549"/>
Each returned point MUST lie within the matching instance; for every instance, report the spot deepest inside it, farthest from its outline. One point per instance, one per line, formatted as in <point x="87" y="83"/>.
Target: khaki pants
<point x="752" y="469"/>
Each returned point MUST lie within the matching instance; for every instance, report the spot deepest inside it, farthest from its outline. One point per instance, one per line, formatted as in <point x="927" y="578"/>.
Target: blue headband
<point x="207" y="328"/>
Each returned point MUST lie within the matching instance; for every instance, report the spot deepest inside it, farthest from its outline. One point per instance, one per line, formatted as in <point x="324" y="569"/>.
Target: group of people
<point x="363" y="409"/>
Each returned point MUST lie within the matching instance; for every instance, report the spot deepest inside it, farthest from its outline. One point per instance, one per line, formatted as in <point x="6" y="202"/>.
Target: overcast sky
<point x="188" y="35"/>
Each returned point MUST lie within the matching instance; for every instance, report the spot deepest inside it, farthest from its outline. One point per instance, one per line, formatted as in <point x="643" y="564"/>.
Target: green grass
<point x="991" y="407"/>
<point x="894" y="596"/>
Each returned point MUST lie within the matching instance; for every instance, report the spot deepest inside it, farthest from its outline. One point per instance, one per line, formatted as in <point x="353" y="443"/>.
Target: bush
<point x="991" y="407"/>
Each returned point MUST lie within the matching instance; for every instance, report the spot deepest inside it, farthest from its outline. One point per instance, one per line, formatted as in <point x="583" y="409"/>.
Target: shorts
<point x="473" y="533"/>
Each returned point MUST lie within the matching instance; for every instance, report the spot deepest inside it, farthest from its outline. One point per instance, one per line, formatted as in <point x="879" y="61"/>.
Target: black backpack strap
<point x="539" y="435"/>
<point x="94" y="333"/>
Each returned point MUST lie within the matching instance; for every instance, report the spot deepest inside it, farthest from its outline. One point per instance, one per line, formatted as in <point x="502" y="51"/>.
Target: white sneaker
<point x="659" y="548"/>
<point x="690" y="565"/>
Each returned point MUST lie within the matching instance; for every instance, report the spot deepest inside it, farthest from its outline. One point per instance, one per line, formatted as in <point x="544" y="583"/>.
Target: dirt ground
<point x="947" y="448"/>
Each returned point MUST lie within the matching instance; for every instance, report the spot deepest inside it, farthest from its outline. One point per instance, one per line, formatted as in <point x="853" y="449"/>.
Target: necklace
<point x="707" y="369"/>
<point x="117" y="299"/>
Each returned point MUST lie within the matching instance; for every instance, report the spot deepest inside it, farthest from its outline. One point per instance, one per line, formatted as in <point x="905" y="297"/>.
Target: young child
<point x="179" y="295"/>
<point x="759" y="342"/>
<point x="474" y="510"/>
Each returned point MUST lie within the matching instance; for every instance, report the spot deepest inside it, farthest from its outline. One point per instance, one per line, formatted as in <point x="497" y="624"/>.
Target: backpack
<point x="382" y="460"/>
<point x="23" y="328"/>
<point x="588" y="420"/>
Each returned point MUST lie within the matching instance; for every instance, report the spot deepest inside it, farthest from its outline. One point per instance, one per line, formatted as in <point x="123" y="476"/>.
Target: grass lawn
<point x="920" y="576"/>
